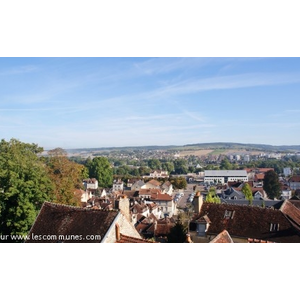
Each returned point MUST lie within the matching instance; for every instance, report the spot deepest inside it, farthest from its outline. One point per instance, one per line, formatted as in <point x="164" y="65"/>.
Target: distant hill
<point x="200" y="146"/>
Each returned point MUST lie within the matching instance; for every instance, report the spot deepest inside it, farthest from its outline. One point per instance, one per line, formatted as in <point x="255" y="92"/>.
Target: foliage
<point x="225" y="165"/>
<point x="66" y="176"/>
<point x="177" y="234"/>
<point x="179" y="183"/>
<point x="24" y="186"/>
<point x="154" y="164"/>
<point x="272" y="185"/>
<point x="181" y="166"/>
<point x="212" y="196"/>
<point x="101" y="169"/>
<point x="246" y="190"/>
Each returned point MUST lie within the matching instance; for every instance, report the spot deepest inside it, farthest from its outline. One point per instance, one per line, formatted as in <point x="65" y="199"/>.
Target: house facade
<point x="294" y="182"/>
<point x="159" y="174"/>
<point x="90" y="183"/>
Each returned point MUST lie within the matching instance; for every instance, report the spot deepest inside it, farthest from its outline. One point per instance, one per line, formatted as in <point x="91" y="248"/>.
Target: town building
<point x="215" y="177"/>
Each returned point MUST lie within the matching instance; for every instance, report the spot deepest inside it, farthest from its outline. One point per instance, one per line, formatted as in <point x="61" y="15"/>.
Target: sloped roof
<point x="295" y="178"/>
<point x="223" y="237"/>
<point x="154" y="182"/>
<point x="249" y="222"/>
<point x="66" y="221"/>
<point x="291" y="212"/>
<point x="131" y="240"/>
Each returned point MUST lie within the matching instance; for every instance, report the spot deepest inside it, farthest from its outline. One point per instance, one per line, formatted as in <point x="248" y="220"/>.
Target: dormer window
<point x="274" y="227"/>
<point x="229" y="214"/>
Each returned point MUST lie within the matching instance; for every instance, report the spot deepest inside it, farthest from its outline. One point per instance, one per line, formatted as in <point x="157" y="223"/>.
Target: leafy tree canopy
<point x="24" y="185"/>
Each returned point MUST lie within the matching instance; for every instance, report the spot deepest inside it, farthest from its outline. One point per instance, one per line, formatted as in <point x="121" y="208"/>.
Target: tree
<point x="248" y="193"/>
<point x="24" y="185"/>
<point x="225" y="164"/>
<point x="154" y="164"/>
<point x="181" y="166"/>
<point x="177" y="234"/>
<point x="66" y="176"/>
<point x="168" y="166"/>
<point x="101" y="169"/>
<point x="179" y="183"/>
<point x="212" y="196"/>
<point x="272" y="185"/>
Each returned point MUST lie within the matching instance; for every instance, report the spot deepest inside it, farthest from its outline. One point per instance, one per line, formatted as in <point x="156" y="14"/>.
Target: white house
<point x="90" y="183"/>
<point x="118" y="185"/>
<point x="159" y="174"/>
<point x="167" y="188"/>
<point x="287" y="172"/>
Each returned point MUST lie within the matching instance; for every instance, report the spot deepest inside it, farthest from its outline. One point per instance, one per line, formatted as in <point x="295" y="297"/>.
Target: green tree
<point x="181" y="166"/>
<point x="154" y="164"/>
<point x="212" y="196"/>
<point x="225" y="164"/>
<point x="177" y="234"/>
<point x="101" y="169"/>
<point x="272" y="185"/>
<point x="248" y="193"/>
<point x="168" y="166"/>
<point x="24" y="185"/>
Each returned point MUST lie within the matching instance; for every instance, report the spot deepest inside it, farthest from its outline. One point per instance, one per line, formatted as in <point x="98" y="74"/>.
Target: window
<point x="229" y="214"/>
<point x="274" y="227"/>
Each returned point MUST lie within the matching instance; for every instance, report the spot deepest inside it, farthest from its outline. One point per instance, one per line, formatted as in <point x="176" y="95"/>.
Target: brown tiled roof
<point x="291" y="212"/>
<point x="259" y="176"/>
<point x="223" y="237"/>
<point x="249" y="222"/>
<point x="295" y="178"/>
<point x="149" y="191"/>
<point x="67" y="221"/>
<point x="131" y="240"/>
<point x="161" y="197"/>
<point x="154" y="182"/>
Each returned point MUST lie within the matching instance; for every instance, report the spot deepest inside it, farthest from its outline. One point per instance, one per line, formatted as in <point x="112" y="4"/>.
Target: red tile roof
<point x="223" y="237"/>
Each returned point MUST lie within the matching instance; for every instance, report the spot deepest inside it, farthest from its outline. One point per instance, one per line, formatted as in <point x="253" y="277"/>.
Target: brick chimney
<point x="198" y="202"/>
<point x="118" y="232"/>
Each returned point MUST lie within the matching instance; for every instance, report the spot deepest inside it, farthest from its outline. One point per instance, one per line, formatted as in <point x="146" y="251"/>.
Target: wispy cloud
<point x="226" y="82"/>
<point x="19" y="70"/>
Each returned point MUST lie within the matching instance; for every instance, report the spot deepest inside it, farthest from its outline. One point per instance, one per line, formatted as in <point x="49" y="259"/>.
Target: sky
<point x="91" y="102"/>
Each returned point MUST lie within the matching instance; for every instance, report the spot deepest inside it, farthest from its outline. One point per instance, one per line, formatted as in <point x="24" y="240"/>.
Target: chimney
<point x="198" y="202"/>
<point x="118" y="233"/>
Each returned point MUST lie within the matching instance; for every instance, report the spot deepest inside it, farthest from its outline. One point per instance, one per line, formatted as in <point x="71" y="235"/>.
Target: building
<point x="118" y="186"/>
<point x="159" y="174"/>
<point x="287" y="172"/>
<point x="215" y="177"/>
<point x="90" y="184"/>
<point x="245" y="222"/>
<point x="58" y="223"/>
<point x="294" y="182"/>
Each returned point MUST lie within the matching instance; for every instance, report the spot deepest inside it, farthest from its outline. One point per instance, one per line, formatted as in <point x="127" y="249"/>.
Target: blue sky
<point x="101" y="102"/>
